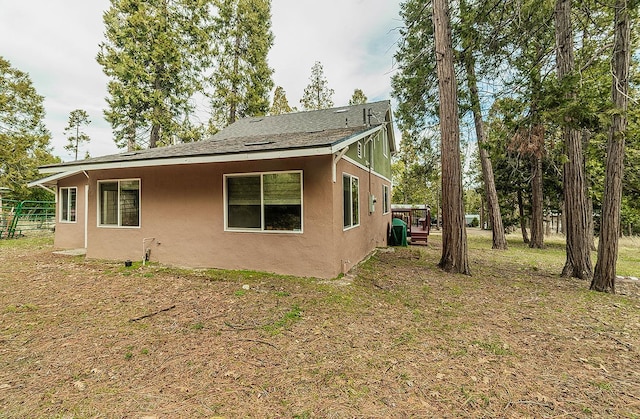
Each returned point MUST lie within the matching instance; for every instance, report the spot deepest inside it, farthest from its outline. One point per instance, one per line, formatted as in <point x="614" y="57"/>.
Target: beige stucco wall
<point x="182" y="218"/>
<point x="70" y="235"/>
<point x="355" y="243"/>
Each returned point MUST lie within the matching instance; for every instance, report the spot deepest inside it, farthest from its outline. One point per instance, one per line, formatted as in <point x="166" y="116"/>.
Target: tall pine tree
<point x="242" y="77"/>
<point x="280" y="103"/>
<point x="605" y="271"/>
<point x="454" y="236"/>
<point x="77" y="118"/>
<point x="317" y="94"/>
<point x="154" y="54"/>
<point x="24" y="139"/>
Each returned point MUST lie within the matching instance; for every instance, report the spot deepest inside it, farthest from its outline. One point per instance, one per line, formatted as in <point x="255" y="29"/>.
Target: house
<point x="306" y="194"/>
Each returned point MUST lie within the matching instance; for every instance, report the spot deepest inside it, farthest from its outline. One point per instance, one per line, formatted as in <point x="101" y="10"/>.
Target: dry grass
<point x="399" y="339"/>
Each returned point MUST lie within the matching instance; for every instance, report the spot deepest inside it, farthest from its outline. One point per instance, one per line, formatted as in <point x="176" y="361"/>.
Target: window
<point x="264" y="201"/>
<point x="351" y="201"/>
<point x="68" y="197"/>
<point x="385" y="199"/>
<point x="119" y="203"/>
<point x="385" y="143"/>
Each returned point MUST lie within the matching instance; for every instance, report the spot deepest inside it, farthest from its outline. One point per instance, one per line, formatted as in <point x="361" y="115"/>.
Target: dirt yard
<point x="399" y="338"/>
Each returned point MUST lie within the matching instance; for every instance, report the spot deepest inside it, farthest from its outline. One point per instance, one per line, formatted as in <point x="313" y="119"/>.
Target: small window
<point x="351" y="201"/>
<point x="385" y="199"/>
<point x="385" y="143"/>
<point x="68" y="198"/>
<point x="359" y="150"/>
<point x="264" y="201"/>
<point x="119" y="203"/>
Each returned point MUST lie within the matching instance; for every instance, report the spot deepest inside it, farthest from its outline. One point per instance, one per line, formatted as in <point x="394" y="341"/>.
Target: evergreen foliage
<point x="154" y="54"/>
<point x="317" y="94"/>
<point x="75" y="137"/>
<point x="280" y="103"/>
<point x="24" y="139"/>
<point x="241" y="78"/>
<point x="358" y="97"/>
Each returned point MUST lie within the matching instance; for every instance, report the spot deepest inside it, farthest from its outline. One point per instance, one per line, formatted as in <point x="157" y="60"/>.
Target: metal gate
<point x="22" y="218"/>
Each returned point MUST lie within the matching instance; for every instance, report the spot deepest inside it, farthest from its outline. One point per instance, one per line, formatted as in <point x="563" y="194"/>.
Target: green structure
<point x="19" y="218"/>
<point x="398" y="233"/>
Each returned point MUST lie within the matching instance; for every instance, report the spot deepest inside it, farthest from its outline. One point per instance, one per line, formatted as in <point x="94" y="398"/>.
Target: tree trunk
<point x="578" y="254"/>
<point x="454" y="236"/>
<point x="155" y="135"/>
<point x="497" y="228"/>
<point x="586" y="137"/>
<point x="537" y="231"/>
<point x="605" y="272"/>
<point x="233" y="108"/>
<point x="131" y="136"/>
<point x="523" y="220"/>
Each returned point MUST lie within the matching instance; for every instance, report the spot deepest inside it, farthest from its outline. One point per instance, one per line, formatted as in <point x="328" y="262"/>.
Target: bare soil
<point x="395" y="338"/>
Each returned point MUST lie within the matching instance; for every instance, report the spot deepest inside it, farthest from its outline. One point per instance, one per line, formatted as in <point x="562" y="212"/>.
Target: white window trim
<point x="350" y="201"/>
<point x="261" y="229"/>
<point x="386" y="196"/>
<point x="119" y="216"/>
<point x="62" y="190"/>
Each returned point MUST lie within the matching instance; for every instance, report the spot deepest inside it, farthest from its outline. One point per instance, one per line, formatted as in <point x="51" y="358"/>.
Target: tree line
<point x="161" y="58"/>
<point x="546" y="86"/>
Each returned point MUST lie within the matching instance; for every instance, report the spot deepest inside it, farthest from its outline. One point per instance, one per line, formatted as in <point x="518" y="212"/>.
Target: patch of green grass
<point x="20" y="308"/>
<point x="197" y="326"/>
<point x="291" y="317"/>
<point x="404" y="338"/>
<point x="240" y="293"/>
<point x="340" y="299"/>
<point x="601" y="385"/>
<point x="495" y="347"/>
<point x="455" y="289"/>
<point x="34" y="242"/>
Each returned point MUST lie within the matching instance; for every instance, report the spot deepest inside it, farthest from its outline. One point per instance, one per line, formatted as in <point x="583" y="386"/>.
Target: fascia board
<point x="170" y="161"/>
<point x="59" y="175"/>
<point x="350" y="140"/>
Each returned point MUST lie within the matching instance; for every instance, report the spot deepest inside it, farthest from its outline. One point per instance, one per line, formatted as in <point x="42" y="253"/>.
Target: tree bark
<point x="523" y="220"/>
<point x="497" y="228"/>
<point x="233" y="107"/>
<point x="605" y="272"/>
<point x="537" y="231"/>
<point x="454" y="236"/>
<point x="586" y="137"/>
<point x="578" y="254"/>
<point x="155" y="135"/>
<point x="131" y="135"/>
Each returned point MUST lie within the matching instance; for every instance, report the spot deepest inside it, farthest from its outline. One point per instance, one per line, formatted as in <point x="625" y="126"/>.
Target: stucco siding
<point x="182" y="220"/>
<point x="353" y="244"/>
<point x="70" y="235"/>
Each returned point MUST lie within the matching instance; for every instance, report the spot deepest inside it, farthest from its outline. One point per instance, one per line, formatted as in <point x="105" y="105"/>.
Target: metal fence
<point x="23" y="218"/>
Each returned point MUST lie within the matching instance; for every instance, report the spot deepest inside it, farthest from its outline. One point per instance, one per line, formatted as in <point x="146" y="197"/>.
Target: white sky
<point x="56" y="42"/>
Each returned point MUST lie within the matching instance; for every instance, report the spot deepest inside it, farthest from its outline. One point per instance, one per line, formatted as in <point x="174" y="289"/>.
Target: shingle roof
<point x="355" y="116"/>
<point x="302" y="130"/>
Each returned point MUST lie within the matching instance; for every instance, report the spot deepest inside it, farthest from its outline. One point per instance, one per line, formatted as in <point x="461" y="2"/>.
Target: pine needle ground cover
<point x="398" y="338"/>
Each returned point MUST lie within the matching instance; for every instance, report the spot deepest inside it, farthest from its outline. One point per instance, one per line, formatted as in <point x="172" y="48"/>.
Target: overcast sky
<point x="56" y="42"/>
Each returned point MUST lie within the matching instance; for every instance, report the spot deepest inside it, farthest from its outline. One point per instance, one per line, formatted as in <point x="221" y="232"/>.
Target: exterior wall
<point x="70" y="235"/>
<point x="182" y="220"/>
<point x="373" y="150"/>
<point x="355" y="243"/>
